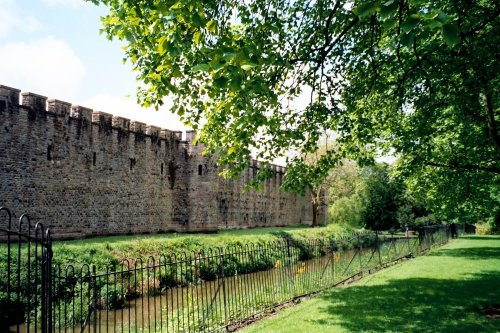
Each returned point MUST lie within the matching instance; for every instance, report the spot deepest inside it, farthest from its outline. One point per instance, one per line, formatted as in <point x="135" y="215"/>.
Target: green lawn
<point x="440" y="292"/>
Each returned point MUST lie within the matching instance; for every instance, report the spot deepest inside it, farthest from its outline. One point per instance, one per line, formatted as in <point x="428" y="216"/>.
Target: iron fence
<point x="208" y="291"/>
<point x="25" y="275"/>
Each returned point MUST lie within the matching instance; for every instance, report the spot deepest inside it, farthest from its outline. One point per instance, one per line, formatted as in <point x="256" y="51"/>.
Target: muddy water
<point x="245" y="295"/>
<point x="252" y="292"/>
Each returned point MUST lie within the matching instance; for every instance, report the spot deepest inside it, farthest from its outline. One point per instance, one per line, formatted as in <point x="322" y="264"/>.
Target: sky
<point x="54" y="48"/>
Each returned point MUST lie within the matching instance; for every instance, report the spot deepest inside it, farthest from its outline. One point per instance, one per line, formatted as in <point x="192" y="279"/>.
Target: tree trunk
<point x="315" y="222"/>
<point x="492" y="124"/>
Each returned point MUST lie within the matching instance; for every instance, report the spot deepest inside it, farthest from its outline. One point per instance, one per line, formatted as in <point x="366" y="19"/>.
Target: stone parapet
<point x="178" y="135"/>
<point x="81" y="112"/>
<point x="102" y="118"/>
<point x="137" y="127"/>
<point x="59" y="108"/>
<point x="153" y="130"/>
<point x="121" y="123"/>
<point x="9" y="98"/>
<point x="34" y="101"/>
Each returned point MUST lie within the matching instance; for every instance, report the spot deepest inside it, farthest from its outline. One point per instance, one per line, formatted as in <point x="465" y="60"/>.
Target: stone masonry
<point x="86" y="173"/>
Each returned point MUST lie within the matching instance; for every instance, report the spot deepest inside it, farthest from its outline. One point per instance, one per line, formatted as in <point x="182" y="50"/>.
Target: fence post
<point x="94" y="297"/>
<point x="9" y="222"/>
<point x="420" y="239"/>
<point x="46" y="261"/>
<point x="288" y="252"/>
<point x="49" y="275"/>
<point x="407" y="241"/>
<point x="377" y="244"/>
<point x="360" y="251"/>
<point x="333" y="260"/>
<point x="224" y="289"/>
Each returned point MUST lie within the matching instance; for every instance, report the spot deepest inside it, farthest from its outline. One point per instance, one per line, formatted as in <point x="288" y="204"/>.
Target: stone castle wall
<point x="86" y="173"/>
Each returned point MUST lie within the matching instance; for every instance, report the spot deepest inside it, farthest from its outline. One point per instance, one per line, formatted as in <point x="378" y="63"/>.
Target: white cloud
<point x="11" y="19"/>
<point x="47" y="66"/>
<point x="127" y="108"/>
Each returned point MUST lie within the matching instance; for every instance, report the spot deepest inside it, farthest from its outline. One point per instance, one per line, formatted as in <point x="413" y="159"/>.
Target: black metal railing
<point x="25" y="275"/>
<point x="212" y="290"/>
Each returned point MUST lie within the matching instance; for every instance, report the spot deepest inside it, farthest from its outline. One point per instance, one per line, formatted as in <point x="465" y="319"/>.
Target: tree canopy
<point x="415" y="78"/>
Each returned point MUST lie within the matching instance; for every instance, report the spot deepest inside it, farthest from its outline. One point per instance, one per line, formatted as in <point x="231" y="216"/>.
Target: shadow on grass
<point x="417" y="305"/>
<point x="475" y="253"/>
<point x="483" y="237"/>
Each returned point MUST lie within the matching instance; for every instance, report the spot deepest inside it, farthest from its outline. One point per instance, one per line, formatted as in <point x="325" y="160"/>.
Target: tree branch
<point x="492" y="124"/>
<point x="329" y="22"/>
<point x="327" y="48"/>
<point x="483" y="24"/>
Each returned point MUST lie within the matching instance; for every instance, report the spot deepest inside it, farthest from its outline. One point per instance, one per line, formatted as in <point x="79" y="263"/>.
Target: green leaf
<point x="389" y="23"/>
<point x="220" y="82"/>
<point x="410" y="23"/>
<point x="407" y="39"/>
<point x="443" y="17"/>
<point x="162" y="45"/>
<point x="197" y="20"/>
<point x="196" y="37"/>
<point x="236" y="83"/>
<point x="217" y="64"/>
<point x="367" y="9"/>
<point x="434" y="24"/>
<point x="229" y="55"/>
<point x="212" y="26"/>
<point x="181" y="111"/>
<point x="176" y="5"/>
<point x="248" y="66"/>
<point x="176" y="73"/>
<point x="130" y="37"/>
<point x="451" y="34"/>
<point x="200" y="68"/>
<point x="388" y="8"/>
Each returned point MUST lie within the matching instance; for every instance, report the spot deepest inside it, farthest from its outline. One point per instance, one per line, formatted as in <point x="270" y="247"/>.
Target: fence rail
<point x="209" y="291"/>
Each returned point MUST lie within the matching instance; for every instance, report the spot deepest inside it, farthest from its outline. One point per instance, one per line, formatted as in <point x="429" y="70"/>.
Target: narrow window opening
<point x="132" y="163"/>
<point x="161" y="169"/>
<point x="200" y="170"/>
<point x="49" y="151"/>
<point x="94" y="156"/>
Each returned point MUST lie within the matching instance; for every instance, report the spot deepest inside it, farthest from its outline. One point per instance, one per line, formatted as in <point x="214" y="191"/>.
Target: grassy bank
<point x="442" y="292"/>
<point x="104" y="251"/>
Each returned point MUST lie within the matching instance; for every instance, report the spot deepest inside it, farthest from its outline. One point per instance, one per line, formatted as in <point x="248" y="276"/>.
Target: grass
<point x="103" y="251"/>
<point x="441" y="292"/>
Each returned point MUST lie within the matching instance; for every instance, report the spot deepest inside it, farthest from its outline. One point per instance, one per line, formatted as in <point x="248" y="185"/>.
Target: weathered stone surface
<point x="95" y="175"/>
<point x="81" y="112"/>
<point x="34" y="101"/>
<point x="152" y="130"/>
<point x="102" y="118"/>
<point x="121" y="123"/>
<point x="9" y="98"/>
<point x="178" y="135"/>
<point x="137" y="127"/>
<point x="59" y="107"/>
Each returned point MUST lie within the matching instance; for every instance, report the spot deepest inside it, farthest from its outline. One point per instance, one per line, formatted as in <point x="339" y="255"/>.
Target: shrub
<point x="425" y="221"/>
<point x="112" y="298"/>
<point x="347" y="210"/>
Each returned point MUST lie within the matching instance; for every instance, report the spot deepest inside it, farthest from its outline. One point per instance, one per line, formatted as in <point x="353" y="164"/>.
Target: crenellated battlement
<point x="88" y="172"/>
<point x="9" y="100"/>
